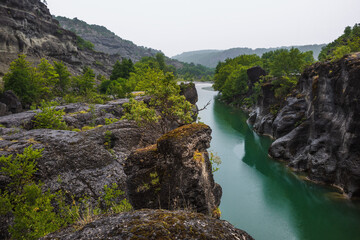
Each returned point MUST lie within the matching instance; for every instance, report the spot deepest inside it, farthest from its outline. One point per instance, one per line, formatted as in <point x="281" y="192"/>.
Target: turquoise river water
<point x="261" y="195"/>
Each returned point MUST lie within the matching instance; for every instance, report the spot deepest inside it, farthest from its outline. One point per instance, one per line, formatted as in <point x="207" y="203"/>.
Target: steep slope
<point x="105" y="40"/>
<point x="318" y="129"/>
<point x="27" y="27"/>
<point x="210" y="58"/>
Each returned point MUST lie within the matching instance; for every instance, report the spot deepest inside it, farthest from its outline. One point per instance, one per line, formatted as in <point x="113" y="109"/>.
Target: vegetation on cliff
<point x="347" y="43"/>
<point x="282" y="68"/>
<point x="37" y="213"/>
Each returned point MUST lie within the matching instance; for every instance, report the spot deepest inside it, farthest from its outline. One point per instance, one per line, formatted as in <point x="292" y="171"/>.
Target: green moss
<point x="154" y="178"/>
<point x="151" y="148"/>
<point x="184" y="131"/>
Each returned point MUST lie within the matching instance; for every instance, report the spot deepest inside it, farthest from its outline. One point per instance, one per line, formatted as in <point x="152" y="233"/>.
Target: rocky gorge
<point x="171" y="172"/>
<point x="317" y="127"/>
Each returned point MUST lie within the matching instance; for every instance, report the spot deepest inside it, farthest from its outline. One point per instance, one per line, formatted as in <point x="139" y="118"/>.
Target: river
<point x="262" y="196"/>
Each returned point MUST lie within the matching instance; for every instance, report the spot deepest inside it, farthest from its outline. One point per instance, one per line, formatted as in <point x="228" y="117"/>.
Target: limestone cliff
<point x="105" y="40"/>
<point x="27" y="27"/>
<point x="317" y="130"/>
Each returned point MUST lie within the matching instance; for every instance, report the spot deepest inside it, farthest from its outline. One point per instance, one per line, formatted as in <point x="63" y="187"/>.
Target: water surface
<point x="263" y="197"/>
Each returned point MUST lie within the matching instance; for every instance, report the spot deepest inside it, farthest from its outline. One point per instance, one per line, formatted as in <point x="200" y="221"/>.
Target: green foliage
<point x="224" y="70"/>
<point x="46" y="81"/>
<point x="282" y="65"/>
<point x="23" y="80"/>
<point x="109" y="121"/>
<point x="284" y="62"/>
<point x="214" y="160"/>
<point x="160" y="58"/>
<point x="283" y="86"/>
<point x="49" y="117"/>
<point x="166" y="103"/>
<point x="85" y="83"/>
<point x="190" y="71"/>
<point x="122" y="69"/>
<point x="347" y="43"/>
<point x="112" y="200"/>
<point x="139" y="112"/>
<point x="340" y="51"/>
<point x="64" y="80"/>
<point x="108" y="139"/>
<point x="20" y="168"/>
<point x="34" y="215"/>
<point x="235" y="84"/>
<point x="34" y="211"/>
<point x="83" y="44"/>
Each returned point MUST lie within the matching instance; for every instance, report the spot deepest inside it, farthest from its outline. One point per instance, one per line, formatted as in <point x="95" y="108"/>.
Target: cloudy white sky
<point x="176" y="26"/>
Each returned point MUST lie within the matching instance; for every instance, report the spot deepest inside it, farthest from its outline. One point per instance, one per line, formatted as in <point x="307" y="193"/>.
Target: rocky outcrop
<point x="10" y="103"/>
<point x="79" y="162"/>
<point x="317" y="130"/>
<point x="105" y="40"/>
<point x="175" y="173"/>
<point x="154" y="224"/>
<point x="27" y="27"/>
<point x="254" y="75"/>
<point x="189" y="91"/>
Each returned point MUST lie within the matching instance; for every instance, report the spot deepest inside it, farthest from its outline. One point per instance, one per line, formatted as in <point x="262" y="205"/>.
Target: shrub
<point x="49" y="117"/>
<point x="109" y="121"/>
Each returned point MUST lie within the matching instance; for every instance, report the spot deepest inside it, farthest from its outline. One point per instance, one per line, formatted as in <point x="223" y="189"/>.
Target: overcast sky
<point x="176" y="26"/>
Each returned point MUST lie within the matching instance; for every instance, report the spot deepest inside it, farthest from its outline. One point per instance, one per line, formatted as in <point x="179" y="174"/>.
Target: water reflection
<point x="264" y="197"/>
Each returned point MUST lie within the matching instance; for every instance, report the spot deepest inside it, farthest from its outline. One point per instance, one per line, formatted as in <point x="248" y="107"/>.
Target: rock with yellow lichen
<point x="175" y="173"/>
<point x="154" y="224"/>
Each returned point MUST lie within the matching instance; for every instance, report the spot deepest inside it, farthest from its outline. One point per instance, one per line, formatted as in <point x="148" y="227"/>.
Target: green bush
<point x="34" y="215"/>
<point x="83" y="44"/>
<point x="49" y="117"/>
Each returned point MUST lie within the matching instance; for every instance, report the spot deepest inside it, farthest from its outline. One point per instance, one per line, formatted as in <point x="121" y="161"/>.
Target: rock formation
<point x="189" y="91"/>
<point x="105" y="40"/>
<point x="9" y="103"/>
<point x="175" y="173"/>
<point x="27" y="27"/>
<point x="154" y="224"/>
<point x="317" y="129"/>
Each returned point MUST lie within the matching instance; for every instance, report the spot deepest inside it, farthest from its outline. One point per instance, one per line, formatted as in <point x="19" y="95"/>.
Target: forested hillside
<point x="210" y="58"/>
<point x="104" y="40"/>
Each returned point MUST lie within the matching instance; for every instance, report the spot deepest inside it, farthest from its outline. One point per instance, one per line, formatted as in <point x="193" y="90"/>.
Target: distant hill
<point x="210" y="58"/>
<point x="105" y="40"/>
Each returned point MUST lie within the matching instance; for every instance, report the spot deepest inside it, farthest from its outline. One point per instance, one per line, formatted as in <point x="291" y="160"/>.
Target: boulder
<point x="154" y="224"/>
<point x="254" y="75"/>
<point x="189" y="91"/>
<point x="174" y="173"/>
<point x="11" y="101"/>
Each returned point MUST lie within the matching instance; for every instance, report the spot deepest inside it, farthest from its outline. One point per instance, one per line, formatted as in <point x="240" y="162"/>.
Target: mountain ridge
<point x="105" y="40"/>
<point x="211" y="57"/>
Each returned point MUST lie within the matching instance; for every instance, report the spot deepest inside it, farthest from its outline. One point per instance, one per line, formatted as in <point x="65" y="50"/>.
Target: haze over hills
<point x="210" y="58"/>
<point x="105" y="40"/>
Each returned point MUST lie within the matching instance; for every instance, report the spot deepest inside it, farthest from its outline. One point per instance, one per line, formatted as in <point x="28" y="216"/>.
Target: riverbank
<point x="263" y="196"/>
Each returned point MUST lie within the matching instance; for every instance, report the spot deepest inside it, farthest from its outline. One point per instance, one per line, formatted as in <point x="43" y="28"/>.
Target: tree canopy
<point x="347" y="43"/>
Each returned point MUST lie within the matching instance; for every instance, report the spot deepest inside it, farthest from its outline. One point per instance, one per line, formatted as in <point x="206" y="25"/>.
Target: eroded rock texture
<point x="175" y="173"/>
<point x="27" y="27"/>
<point x="154" y="224"/>
<point x="318" y="127"/>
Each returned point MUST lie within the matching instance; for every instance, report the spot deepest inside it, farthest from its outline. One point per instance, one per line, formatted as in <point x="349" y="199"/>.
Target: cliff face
<point x="105" y="40"/>
<point x="175" y="173"/>
<point x="318" y="129"/>
<point x="27" y="27"/>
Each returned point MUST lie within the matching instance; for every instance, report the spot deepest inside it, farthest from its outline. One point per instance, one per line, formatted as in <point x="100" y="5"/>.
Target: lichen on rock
<point x="154" y="224"/>
<point x="181" y="182"/>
